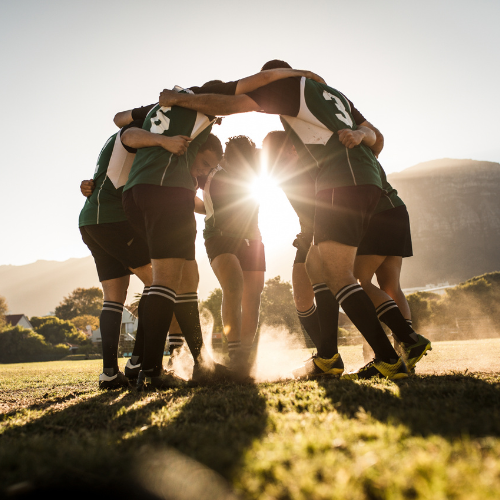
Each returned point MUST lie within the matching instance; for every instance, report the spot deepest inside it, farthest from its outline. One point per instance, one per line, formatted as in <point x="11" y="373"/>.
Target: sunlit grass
<point x="426" y="437"/>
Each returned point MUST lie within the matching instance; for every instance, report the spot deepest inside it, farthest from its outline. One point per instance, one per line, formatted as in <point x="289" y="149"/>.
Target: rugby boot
<point x="240" y="365"/>
<point x="379" y="369"/>
<point x="167" y="379"/>
<point x="320" y="367"/>
<point x="116" y="381"/>
<point x="210" y="373"/>
<point x="132" y="371"/>
<point x="413" y="353"/>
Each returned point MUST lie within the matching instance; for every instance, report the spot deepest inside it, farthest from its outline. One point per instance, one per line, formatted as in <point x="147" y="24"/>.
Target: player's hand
<point x="177" y="144"/>
<point x="168" y="97"/>
<point x="315" y="77"/>
<point x="87" y="187"/>
<point x="350" y="138"/>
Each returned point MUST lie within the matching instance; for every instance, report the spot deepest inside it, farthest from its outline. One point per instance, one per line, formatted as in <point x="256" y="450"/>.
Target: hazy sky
<point x="426" y="73"/>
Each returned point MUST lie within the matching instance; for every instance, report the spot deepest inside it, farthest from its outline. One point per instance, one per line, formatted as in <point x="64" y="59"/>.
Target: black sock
<point x="234" y="348"/>
<point x="158" y="314"/>
<point x="361" y="311"/>
<point x="188" y="317"/>
<point x="310" y="322"/>
<point x="110" y="324"/>
<point x="139" y="336"/>
<point x="389" y="313"/>
<point x="328" y="315"/>
<point x="175" y="341"/>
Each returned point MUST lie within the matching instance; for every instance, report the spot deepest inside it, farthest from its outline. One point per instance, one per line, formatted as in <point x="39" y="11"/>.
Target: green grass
<point x="431" y="436"/>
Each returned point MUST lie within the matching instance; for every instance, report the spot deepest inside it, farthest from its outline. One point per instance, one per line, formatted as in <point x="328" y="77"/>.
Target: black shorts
<point x="250" y="253"/>
<point x="116" y="247"/>
<point x="164" y="216"/>
<point x="302" y="243"/>
<point x="388" y="234"/>
<point x="343" y="214"/>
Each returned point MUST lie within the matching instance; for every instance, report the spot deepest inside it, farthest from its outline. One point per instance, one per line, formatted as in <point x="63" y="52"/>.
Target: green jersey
<point x="389" y="198"/>
<point x="105" y="203"/>
<point x="158" y="166"/>
<point x="315" y="113"/>
<point x="231" y="211"/>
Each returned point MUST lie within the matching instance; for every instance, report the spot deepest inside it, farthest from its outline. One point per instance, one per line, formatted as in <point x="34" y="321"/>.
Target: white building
<point x="19" y="320"/>
<point x="129" y="325"/>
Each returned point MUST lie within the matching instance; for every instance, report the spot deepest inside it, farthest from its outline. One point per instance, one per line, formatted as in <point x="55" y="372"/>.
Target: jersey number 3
<point x="343" y="116"/>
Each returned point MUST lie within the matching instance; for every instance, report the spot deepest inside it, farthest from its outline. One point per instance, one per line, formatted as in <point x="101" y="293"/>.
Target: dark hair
<point x="241" y="149"/>
<point x="211" y="82"/>
<point x="273" y="145"/>
<point x="212" y="144"/>
<point x="275" y="63"/>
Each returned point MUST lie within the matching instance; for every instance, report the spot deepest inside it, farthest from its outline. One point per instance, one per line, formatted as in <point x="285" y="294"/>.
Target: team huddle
<point x="139" y="219"/>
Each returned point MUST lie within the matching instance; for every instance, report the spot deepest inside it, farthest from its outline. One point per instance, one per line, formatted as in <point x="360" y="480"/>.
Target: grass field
<point x="434" y="436"/>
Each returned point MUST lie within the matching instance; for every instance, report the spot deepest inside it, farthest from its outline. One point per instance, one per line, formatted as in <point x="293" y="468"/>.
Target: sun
<point x="263" y="187"/>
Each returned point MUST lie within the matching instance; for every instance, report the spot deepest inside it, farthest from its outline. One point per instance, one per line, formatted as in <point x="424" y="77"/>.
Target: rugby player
<point x="385" y="243"/>
<point x="234" y="247"/>
<point x="296" y="176"/>
<point x="159" y="200"/>
<point x="117" y="250"/>
<point x="348" y="188"/>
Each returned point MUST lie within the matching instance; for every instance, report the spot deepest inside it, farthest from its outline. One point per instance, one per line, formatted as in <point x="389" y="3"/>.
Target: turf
<point x="433" y="436"/>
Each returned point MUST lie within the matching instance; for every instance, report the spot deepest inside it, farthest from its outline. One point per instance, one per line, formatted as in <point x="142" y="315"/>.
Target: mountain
<point x="454" y="208"/>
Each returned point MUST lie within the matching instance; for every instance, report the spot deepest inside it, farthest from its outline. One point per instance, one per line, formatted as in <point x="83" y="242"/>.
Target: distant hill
<point x="36" y="289"/>
<point x="454" y="208"/>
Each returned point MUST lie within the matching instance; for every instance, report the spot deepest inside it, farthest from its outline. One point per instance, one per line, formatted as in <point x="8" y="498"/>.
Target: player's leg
<point x="365" y="267"/>
<point x="364" y="270"/>
<point x="186" y="311"/>
<point x="412" y="345"/>
<point x="303" y="294"/>
<point x="110" y="321"/>
<point x="228" y="271"/>
<point x="342" y="218"/>
<point x="327" y="306"/>
<point x="386" y="241"/>
<point x="338" y="265"/>
<point x="158" y="311"/>
<point x="114" y="277"/>
<point x="165" y="215"/>
<point x="253" y="284"/>
<point x="388" y="277"/>
<point x="133" y="366"/>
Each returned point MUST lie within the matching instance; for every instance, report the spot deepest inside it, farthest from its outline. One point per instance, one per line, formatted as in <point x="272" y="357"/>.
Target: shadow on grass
<point x="103" y="439"/>
<point x="449" y="405"/>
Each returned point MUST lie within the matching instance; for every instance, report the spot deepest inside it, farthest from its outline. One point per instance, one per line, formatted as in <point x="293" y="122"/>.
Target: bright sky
<point x="425" y="73"/>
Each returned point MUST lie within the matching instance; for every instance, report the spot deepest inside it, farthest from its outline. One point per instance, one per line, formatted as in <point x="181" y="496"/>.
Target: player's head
<point x="208" y="157"/>
<point x="279" y="151"/>
<point x="211" y="82"/>
<point x="241" y="157"/>
<point x="274" y="64"/>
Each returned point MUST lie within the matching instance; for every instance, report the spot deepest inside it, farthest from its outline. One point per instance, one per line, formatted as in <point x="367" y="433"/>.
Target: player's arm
<point x="124" y="118"/>
<point x="352" y="138"/>
<point x="199" y="206"/>
<point x="138" y="138"/>
<point x="265" y="77"/>
<point x="379" y="138"/>
<point x="210" y="104"/>
<point x="87" y="187"/>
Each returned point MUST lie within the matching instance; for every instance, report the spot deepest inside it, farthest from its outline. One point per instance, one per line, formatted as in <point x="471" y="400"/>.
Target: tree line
<point x="475" y="300"/>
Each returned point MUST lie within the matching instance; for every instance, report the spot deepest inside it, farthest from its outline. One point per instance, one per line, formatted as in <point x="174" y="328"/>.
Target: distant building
<point x="129" y="325"/>
<point x="19" y="320"/>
